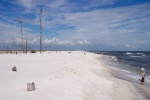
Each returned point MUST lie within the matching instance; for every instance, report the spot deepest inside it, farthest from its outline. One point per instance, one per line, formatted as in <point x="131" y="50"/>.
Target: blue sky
<point x="78" y="24"/>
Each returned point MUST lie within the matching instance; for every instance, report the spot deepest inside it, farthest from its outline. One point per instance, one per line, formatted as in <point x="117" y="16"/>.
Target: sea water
<point x="128" y="64"/>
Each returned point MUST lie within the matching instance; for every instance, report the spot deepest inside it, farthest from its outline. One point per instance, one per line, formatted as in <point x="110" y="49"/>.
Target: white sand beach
<point x="62" y="76"/>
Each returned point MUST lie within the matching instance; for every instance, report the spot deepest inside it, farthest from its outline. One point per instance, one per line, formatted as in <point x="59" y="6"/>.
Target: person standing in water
<point x="143" y="76"/>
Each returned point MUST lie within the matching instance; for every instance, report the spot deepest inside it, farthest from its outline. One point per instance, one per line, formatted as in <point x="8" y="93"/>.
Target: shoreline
<point x="76" y="75"/>
<point x="143" y="90"/>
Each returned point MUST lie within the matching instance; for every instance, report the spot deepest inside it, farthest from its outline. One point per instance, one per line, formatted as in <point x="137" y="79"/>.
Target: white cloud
<point x="9" y="32"/>
<point x="83" y="42"/>
<point x="57" y="41"/>
<point x="54" y="41"/>
<point x="34" y="41"/>
<point x="108" y="26"/>
<point x="119" y="26"/>
<point x="36" y="4"/>
<point x="25" y="3"/>
<point x="85" y="5"/>
<point x="56" y="3"/>
<point x="65" y="42"/>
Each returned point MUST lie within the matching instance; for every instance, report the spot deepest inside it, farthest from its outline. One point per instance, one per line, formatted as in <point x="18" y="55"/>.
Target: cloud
<point x="9" y="32"/>
<point x="83" y="42"/>
<point x="30" y="5"/>
<point x="109" y="26"/>
<point x="57" y="41"/>
<point x="25" y="3"/>
<point x="56" y="3"/>
<point x="53" y="41"/>
<point x="82" y="4"/>
<point x="87" y="19"/>
<point x="34" y="41"/>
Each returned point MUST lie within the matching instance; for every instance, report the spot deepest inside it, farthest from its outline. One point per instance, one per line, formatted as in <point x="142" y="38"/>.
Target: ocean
<point x="128" y="64"/>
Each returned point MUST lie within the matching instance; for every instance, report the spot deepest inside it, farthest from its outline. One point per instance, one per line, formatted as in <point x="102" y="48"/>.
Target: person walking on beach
<point x="143" y="76"/>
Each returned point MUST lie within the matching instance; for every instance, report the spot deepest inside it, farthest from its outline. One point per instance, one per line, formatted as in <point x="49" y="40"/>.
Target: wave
<point x="128" y="53"/>
<point x="140" y="53"/>
<point x="147" y="78"/>
<point x="114" y="58"/>
<point x="137" y="77"/>
<point x="143" y="55"/>
<point x="121" y="70"/>
<point x="137" y="56"/>
<point x="131" y="74"/>
<point x="128" y="65"/>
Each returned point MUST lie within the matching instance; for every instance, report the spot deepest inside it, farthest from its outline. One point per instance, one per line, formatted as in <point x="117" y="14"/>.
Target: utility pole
<point x="19" y="20"/>
<point x="26" y="45"/>
<point x="4" y="49"/>
<point x="40" y="19"/>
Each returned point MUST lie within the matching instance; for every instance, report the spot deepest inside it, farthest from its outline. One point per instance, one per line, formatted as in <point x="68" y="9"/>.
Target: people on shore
<point x="142" y="80"/>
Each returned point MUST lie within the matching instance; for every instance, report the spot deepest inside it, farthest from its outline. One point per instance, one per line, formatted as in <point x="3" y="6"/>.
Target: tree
<point x="40" y="19"/>
<point x="26" y="45"/>
<point x="19" y="20"/>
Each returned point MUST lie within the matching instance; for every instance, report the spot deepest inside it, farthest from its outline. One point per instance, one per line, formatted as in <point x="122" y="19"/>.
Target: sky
<point x="107" y="25"/>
